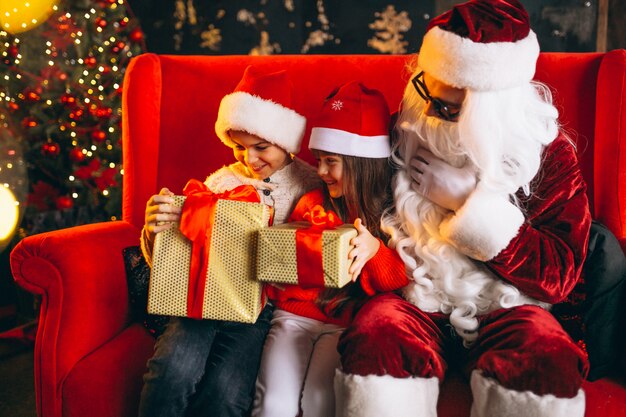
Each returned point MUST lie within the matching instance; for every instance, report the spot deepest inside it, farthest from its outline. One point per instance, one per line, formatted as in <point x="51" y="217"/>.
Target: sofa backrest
<point x="170" y="105"/>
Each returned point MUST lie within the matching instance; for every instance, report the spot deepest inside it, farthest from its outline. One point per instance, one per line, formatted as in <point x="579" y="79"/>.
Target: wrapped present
<point x="205" y="267"/>
<point x="310" y="253"/>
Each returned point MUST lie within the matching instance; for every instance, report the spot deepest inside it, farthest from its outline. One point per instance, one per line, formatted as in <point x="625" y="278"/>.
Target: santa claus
<point x="491" y="220"/>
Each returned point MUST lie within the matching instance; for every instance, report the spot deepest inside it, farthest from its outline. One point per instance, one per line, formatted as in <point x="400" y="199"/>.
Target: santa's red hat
<point x="481" y="45"/>
<point x="262" y="105"/>
<point x="354" y="121"/>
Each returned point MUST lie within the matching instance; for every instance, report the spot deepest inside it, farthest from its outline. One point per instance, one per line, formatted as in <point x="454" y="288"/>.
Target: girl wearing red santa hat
<point x="351" y="143"/>
<point x="208" y="367"/>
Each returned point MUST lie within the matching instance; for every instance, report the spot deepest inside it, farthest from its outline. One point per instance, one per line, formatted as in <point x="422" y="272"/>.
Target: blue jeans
<point x="204" y="368"/>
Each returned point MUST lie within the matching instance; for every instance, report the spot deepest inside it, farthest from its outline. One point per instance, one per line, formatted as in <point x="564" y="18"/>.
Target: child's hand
<point x="159" y="209"/>
<point x="365" y="247"/>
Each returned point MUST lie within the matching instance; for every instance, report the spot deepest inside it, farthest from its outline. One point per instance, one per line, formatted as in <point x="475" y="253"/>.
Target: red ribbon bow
<point x="318" y="217"/>
<point x="196" y="223"/>
<point x="309" y="258"/>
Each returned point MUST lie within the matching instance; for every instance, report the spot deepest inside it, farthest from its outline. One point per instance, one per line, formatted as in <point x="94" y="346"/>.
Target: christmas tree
<point x="60" y="108"/>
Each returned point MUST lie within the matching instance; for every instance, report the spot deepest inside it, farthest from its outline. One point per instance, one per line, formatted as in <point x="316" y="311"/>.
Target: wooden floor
<point x="17" y="396"/>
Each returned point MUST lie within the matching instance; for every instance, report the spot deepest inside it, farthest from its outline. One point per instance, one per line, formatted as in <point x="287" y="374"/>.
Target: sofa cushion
<point x="595" y="311"/>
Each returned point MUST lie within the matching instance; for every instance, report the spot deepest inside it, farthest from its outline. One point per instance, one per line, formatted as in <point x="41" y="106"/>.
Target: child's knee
<point x="274" y="404"/>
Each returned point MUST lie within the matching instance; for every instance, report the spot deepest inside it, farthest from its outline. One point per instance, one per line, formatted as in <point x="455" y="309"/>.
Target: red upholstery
<point x="89" y="358"/>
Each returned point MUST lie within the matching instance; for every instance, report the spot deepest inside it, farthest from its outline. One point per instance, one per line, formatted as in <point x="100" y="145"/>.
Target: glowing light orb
<point x="9" y="215"/>
<point x="17" y="16"/>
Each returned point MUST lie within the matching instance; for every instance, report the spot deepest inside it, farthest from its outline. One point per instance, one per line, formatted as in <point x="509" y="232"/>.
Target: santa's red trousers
<point x="523" y="348"/>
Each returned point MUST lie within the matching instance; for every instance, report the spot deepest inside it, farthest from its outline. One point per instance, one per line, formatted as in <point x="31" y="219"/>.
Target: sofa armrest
<point x="79" y="273"/>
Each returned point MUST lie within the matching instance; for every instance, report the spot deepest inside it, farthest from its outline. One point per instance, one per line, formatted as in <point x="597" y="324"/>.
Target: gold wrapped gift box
<point x="277" y="261"/>
<point x="231" y="293"/>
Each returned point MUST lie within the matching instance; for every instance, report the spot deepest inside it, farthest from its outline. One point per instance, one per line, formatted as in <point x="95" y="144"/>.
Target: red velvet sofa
<point x="90" y="356"/>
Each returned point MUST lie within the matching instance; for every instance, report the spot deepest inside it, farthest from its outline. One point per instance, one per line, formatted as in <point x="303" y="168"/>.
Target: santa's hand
<point x="365" y="247"/>
<point x="161" y="213"/>
<point x="440" y="182"/>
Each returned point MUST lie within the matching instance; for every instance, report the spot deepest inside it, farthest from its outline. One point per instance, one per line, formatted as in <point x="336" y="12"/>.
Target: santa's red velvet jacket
<point x="384" y="272"/>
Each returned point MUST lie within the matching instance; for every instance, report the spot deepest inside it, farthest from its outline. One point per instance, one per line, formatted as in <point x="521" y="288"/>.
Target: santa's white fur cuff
<point x="493" y="400"/>
<point x="461" y="63"/>
<point x="385" y="396"/>
<point x="484" y="225"/>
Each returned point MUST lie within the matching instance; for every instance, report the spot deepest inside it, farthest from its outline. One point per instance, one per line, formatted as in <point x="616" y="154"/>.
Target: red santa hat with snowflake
<point x="481" y="45"/>
<point x="354" y="121"/>
<point x="262" y="105"/>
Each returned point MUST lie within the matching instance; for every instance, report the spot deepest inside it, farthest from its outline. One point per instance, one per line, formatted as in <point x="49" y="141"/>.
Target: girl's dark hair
<point x="366" y="191"/>
<point x="366" y="194"/>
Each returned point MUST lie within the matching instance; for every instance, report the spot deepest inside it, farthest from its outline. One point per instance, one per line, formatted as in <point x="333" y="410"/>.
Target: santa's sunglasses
<point x="441" y="108"/>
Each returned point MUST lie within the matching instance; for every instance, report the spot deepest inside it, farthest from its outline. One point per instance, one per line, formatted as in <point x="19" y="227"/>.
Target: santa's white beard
<point x="443" y="278"/>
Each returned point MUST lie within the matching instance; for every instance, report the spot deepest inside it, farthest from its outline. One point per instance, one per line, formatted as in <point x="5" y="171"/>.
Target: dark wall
<point x="616" y="37"/>
<point x="342" y="26"/>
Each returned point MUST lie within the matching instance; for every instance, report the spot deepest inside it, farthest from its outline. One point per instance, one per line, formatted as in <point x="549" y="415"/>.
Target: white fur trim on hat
<point x="493" y="400"/>
<point x="347" y="143"/>
<point x="266" y="119"/>
<point x="484" y="225"/>
<point x="385" y="396"/>
<point x="462" y="63"/>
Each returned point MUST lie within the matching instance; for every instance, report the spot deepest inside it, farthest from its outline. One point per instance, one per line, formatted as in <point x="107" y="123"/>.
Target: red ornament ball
<point x="77" y="155"/>
<point x="29" y="121"/>
<point x="103" y="112"/>
<point x="100" y="22"/>
<point x="118" y="47"/>
<point x="90" y="61"/>
<point x="50" y="149"/>
<point x="98" y="136"/>
<point x="76" y="114"/>
<point x="13" y="51"/>
<point x="68" y="99"/>
<point x="64" y="202"/>
<point x="32" y="96"/>
<point x="63" y="24"/>
<point x="135" y="35"/>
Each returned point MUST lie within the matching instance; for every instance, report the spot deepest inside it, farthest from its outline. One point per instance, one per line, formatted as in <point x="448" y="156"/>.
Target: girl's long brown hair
<point x="366" y="194"/>
<point x="366" y="191"/>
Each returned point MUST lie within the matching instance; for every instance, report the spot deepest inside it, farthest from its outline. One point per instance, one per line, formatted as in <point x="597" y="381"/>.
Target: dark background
<point x="342" y="26"/>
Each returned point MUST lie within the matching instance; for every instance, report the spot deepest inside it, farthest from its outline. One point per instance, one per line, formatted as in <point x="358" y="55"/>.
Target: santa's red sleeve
<point x="539" y="248"/>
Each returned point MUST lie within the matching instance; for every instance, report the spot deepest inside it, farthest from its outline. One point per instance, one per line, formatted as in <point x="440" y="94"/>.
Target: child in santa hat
<point x="351" y="143"/>
<point x="218" y="360"/>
